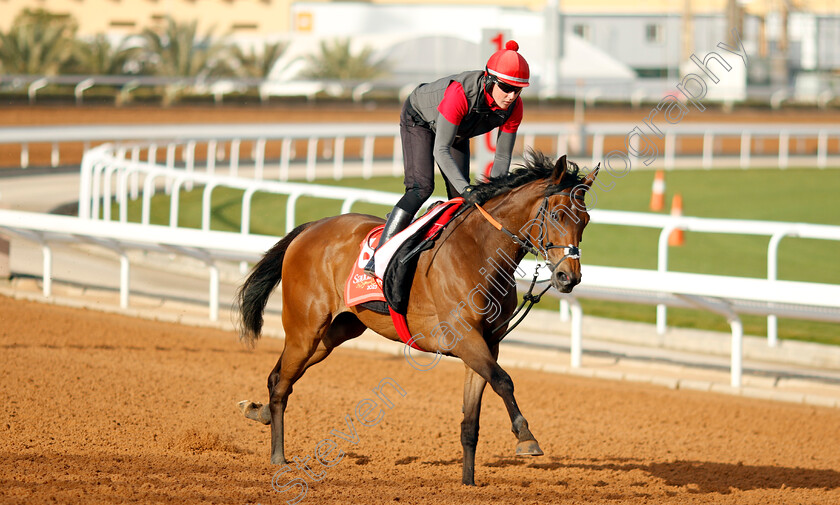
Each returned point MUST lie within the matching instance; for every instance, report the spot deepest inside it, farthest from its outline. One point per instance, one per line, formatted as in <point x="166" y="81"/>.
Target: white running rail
<point x="724" y="295"/>
<point x="759" y="144"/>
<point x="106" y="175"/>
<point x="208" y="246"/>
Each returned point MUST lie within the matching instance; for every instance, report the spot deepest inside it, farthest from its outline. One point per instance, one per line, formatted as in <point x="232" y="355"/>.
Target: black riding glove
<point x="471" y="196"/>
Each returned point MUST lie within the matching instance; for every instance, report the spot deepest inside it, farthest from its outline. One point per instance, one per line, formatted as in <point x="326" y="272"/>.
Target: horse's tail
<point x="254" y="292"/>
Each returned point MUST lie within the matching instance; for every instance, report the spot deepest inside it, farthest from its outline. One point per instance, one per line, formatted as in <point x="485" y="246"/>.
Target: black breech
<point x="418" y="155"/>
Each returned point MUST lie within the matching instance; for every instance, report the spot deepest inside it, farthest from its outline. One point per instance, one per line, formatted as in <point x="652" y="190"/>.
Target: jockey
<point x="437" y="122"/>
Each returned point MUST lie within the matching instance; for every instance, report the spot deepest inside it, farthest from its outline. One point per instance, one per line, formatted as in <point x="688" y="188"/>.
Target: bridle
<point x="571" y="252"/>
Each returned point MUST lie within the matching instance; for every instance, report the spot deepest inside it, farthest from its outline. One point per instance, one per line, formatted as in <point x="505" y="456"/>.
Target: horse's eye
<point x="555" y="216"/>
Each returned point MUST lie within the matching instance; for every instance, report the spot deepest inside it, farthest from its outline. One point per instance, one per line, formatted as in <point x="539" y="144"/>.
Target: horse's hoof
<point x="528" y="448"/>
<point x="278" y="460"/>
<point x="255" y="411"/>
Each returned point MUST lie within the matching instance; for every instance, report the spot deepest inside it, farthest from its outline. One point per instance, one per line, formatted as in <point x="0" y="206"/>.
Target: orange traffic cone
<point x="657" y="195"/>
<point x="676" y="238"/>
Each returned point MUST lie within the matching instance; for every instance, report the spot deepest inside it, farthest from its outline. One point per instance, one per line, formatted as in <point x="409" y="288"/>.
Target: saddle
<point x="396" y="260"/>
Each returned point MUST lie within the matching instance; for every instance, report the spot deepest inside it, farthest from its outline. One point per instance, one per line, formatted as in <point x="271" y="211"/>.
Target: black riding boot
<point x="397" y="222"/>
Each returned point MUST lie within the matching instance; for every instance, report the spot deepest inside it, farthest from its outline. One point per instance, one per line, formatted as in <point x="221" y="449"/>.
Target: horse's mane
<point x="537" y="166"/>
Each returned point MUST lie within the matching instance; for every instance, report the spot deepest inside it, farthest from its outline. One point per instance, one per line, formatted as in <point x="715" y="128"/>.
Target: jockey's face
<point x="504" y="94"/>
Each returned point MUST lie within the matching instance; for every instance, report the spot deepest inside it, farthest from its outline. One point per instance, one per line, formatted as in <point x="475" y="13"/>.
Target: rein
<point x="571" y="251"/>
<point x="528" y="298"/>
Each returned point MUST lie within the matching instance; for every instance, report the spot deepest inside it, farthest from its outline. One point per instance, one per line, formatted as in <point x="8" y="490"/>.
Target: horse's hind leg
<point x="289" y="368"/>
<point x="294" y="361"/>
<point x="262" y="412"/>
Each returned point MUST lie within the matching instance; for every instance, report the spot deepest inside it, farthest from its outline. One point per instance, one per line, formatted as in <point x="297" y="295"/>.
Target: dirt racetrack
<point x="103" y="408"/>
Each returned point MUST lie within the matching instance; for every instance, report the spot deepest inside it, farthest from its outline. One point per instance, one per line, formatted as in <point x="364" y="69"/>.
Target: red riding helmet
<point x="508" y="66"/>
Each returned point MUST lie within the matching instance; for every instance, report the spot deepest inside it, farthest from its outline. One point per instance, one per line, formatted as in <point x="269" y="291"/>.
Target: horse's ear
<point x="559" y="169"/>
<point x="590" y="177"/>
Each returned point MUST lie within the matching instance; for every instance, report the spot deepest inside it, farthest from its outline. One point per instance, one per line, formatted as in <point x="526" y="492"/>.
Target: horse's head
<point x="560" y="220"/>
<point x="546" y="199"/>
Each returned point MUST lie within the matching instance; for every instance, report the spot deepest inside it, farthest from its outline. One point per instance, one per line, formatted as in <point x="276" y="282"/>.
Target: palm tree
<point x="337" y="62"/>
<point x="37" y="43"/>
<point x="101" y="57"/>
<point x="178" y="51"/>
<point x="254" y="64"/>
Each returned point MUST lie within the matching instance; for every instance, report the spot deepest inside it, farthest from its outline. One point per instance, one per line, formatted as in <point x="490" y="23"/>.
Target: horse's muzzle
<point x="564" y="281"/>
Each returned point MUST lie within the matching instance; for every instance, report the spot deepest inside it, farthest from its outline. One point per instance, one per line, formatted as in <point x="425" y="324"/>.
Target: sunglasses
<point x="507" y="88"/>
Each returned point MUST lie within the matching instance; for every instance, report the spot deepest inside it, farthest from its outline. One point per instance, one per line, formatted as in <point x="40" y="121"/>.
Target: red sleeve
<point x="454" y="105"/>
<point x="512" y="124"/>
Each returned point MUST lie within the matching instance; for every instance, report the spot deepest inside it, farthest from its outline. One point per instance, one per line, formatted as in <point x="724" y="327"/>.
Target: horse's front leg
<point x="479" y="358"/>
<point x="473" y="391"/>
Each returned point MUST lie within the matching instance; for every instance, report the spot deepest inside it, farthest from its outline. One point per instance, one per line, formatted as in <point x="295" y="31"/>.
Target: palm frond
<point x="336" y="61"/>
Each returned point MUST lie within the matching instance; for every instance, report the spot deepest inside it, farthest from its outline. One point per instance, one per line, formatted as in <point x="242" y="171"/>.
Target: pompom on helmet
<point x="508" y="66"/>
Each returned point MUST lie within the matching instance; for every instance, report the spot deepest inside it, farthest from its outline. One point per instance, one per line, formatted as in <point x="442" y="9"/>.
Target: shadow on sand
<point x="711" y="477"/>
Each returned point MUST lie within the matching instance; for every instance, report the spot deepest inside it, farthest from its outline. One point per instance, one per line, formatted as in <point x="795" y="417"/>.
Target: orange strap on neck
<point x="488" y="217"/>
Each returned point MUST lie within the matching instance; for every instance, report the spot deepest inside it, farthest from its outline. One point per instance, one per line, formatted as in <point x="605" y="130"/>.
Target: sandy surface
<point x="109" y="409"/>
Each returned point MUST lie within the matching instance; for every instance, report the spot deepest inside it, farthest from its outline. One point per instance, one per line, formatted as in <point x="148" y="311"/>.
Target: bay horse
<point x="542" y="202"/>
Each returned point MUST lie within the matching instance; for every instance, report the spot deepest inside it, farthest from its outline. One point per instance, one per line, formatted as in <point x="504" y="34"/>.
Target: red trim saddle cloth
<point x="361" y="287"/>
